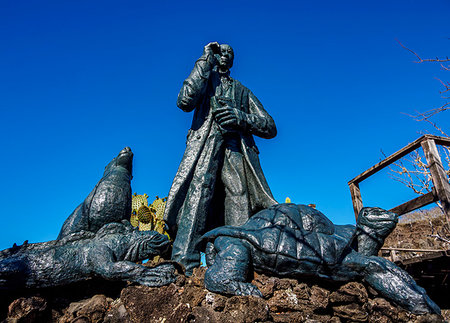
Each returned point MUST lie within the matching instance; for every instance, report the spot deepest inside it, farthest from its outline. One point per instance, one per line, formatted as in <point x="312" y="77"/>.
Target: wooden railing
<point x="392" y="254"/>
<point x="440" y="191"/>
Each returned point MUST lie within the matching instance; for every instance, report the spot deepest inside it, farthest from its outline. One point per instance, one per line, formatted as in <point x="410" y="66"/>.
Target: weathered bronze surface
<point x="219" y="180"/>
<point x="109" y="201"/>
<point x="297" y="241"/>
<point x="96" y="240"/>
<point x="111" y="253"/>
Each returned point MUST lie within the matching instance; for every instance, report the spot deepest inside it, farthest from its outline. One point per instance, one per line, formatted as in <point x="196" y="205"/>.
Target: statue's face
<point x="226" y="57"/>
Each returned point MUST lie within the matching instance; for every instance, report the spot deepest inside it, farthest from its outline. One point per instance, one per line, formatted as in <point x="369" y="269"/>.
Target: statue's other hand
<point x="229" y="117"/>
<point x="211" y="49"/>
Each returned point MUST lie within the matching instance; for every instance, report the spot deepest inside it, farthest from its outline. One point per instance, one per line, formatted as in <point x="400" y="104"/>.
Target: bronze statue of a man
<point x="219" y="180"/>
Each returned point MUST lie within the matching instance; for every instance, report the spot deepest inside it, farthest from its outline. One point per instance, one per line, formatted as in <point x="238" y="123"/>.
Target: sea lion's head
<point x="123" y="160"/>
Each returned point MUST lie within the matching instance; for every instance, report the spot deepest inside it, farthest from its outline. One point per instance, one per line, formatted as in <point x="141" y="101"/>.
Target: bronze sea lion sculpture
<point x="109" y="201"/>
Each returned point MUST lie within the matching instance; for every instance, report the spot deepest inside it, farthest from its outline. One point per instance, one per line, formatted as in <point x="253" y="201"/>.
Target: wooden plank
<point x="356" y="198"/>
<point x="416" y="203"/>
<point x="412" y="250"/>
<point x="438" y="175"/>
<point x="389" y="160"/>
<point x="443" y="141"/>
<point x="423" y="258"/>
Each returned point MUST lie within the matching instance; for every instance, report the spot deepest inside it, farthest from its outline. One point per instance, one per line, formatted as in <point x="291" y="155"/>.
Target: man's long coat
<point x="192" y="190"/>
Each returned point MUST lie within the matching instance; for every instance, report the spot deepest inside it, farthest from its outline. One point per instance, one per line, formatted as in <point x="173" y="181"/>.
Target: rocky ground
<point x="423" y="229"/>
<point x="426" y="230"/>
<point x="285" y="300"/>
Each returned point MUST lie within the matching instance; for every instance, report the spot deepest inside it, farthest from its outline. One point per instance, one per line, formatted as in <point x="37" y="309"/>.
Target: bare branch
<point x="438" y="237"/>
<point x="445" y="68"/>
<point x="421" y="60"/>
<point x="446" y="86"/>
<point x="412" y="171"/>
<point x="424" y="116"/>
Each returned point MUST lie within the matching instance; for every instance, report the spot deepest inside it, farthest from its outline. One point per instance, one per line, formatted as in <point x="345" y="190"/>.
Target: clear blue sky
<point x="80" y="80"/>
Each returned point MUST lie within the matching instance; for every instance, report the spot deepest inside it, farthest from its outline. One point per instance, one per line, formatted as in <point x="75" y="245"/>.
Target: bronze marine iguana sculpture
<point x="96" y="240"/>
<point x="111" y="254"/>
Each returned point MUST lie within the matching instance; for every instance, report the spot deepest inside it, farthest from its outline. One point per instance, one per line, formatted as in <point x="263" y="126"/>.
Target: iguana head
<point x="146" y="244"/>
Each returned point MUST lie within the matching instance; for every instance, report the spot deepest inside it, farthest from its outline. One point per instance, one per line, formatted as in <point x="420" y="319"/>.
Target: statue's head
<point x="225" y="57"/>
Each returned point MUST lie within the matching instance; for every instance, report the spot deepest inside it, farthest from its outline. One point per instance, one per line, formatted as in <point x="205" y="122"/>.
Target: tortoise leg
<point x="391" y="281"/>
<point x="228" y="273"/>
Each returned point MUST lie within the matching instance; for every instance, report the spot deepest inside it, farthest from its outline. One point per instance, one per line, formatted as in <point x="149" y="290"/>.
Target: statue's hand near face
<point x="211" y="49"/>
<point x="221" y="55"/>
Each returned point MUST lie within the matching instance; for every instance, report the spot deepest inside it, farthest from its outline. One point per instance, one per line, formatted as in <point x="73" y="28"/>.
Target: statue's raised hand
<point x="211" y="49"/>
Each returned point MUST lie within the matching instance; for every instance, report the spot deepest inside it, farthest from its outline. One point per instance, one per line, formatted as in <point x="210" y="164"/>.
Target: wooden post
<point x="356" y="198"/>
<point x="438" y="175"/>
<point x="416" y="203"/>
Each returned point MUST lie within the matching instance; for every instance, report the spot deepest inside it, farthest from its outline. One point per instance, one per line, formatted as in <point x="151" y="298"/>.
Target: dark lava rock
<point x="193" y="295"/>
<point x="245" y="309"/>
<point x="117" y="313"/>
<point x="215" y="301"/>
<point x="352" y="311"/>
<point x="205" y="314"/>
<point x="89" y="310"/>
<point x="197" y="277"/>
<point x="266" y="285"/>
<point x="302" y="290"/>
<point x="289" y="317"/>
<point x="285" y="300"/>
<point x="350" y="293"/>
<point x="32" y="309"/>
<point x="146" y="304"/>
<point x="286" y="283"/>
<point x="319" y="297"/>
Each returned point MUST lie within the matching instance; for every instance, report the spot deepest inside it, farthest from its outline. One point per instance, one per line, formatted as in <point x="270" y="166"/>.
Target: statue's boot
<point x="389" y="280"/>
<point x="228" y="261"/>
